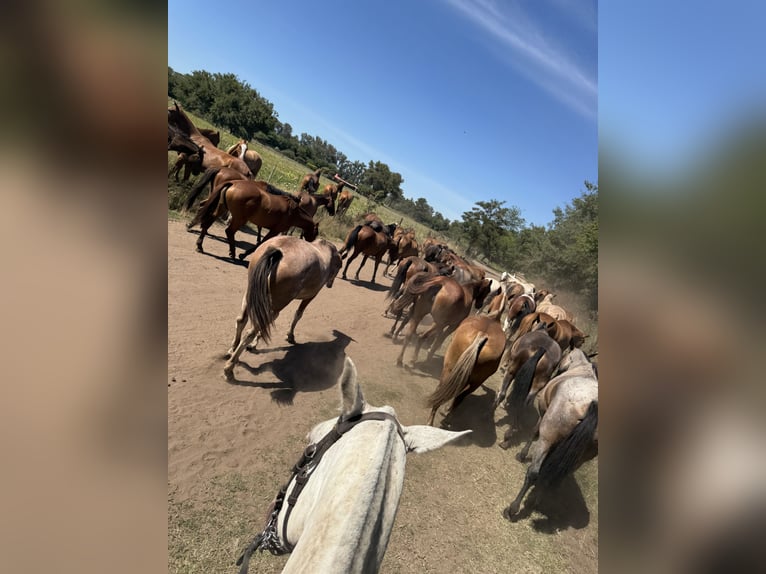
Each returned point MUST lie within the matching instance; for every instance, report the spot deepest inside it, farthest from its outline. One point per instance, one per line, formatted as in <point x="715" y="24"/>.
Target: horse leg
<point x="438" y="342"/>
<point x="431" y="417"/>
<point x="354" y="255"/>
<point x="364" y="260"/>
<point x="521" y="456"/>
<point x="230" y="231"/>
<point x="503" y="388"/>
<point x="241" y="322"/>
<point x="375" y="270"/>
<point x="420" y="339"/>
<point x="529" y="479"/>
<point x="298" y="315"/>
<point x="250" y="337"/>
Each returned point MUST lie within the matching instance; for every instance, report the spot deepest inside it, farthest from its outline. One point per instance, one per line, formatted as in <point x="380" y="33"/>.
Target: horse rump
<point x="523" y="381"/>
<point x="259" y="308"/>
<point x="569" y="453"/>
<point x="399" y="279"/>
<point x="451" y="387"/>
<point x="350" y="241"/>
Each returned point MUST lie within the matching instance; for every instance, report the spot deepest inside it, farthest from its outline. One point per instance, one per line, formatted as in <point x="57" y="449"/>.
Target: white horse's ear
<point x="424" y="438"/>
<point x="352" y="400"/>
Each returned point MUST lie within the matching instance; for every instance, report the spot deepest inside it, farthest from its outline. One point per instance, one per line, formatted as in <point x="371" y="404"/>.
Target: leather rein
<point x="269" y="538"/>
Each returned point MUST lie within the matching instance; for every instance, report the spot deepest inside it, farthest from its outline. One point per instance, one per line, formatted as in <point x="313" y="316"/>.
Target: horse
<point x="472" y="356"/>
<point x="566" y="334"/>
<point x="448" y="302"/>
<point x="370" y="240"/>
<point x="567" y="431"/>
<point x="337" y="510"/>
<point x="531" y="322"/>
<point x="281" y="269"/>
<point x="257" y="202"/>
<point x="531" y="361"/>
<point x="403" y="245"/>
<point x="344" y="200"/>
<point x="212" y="157"/>
<point x="519" y="307"/>
<point x="251" y="157"/>
<point x="216" y="177"/>
<point x="310" y="181"/>
<point x="546" y="305"/>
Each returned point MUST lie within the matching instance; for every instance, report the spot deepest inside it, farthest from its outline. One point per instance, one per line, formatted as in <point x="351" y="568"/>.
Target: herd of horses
<point x="501" y="324"/>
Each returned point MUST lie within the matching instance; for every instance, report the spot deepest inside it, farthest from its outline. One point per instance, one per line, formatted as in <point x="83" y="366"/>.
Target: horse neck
<point x="350" y="503"/>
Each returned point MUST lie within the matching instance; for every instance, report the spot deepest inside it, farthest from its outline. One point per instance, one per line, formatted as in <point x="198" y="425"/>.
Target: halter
<point x="269" y="538"/>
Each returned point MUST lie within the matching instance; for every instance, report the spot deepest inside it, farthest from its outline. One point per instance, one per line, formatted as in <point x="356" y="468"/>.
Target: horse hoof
<point x="228" y="374"/>
<point x="227" y="355"/>
<point x="520" y="457"/>
<point x="250" y="348"/>
<point x="291" y="339"/>
<point x="509" y="512"/>
<point x="199" y="249"/>
<point x="399" y="363"/>
<point x="504" y="445"/>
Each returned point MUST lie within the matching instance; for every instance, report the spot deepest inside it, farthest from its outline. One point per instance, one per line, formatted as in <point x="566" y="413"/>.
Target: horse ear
<point x="424" y="438"/>
<point x="352" y="399"/>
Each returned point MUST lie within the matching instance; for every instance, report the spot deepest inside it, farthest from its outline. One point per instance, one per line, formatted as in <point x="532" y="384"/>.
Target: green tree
<point x="485" y="226"/>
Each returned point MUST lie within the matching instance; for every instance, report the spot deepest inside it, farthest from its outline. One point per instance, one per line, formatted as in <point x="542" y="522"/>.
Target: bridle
<point x="269" y="538"/>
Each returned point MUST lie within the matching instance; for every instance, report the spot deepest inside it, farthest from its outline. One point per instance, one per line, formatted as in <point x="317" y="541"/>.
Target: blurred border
<point x="84" y="306"/>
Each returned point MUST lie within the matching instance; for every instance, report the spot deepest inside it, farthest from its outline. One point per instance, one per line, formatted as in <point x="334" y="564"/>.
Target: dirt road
<point x="231" y="445"/>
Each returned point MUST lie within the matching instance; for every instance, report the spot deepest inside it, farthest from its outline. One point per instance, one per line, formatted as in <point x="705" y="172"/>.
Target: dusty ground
<point x="231" y="445"/>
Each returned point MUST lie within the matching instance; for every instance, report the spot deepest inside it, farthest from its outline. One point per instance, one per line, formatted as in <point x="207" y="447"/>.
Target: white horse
<point x="342" y="518"/>
<point x="556" y="311"/>
<point x="567" y="431"/>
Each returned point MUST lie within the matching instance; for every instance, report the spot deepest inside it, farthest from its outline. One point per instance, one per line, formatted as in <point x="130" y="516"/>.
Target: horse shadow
<point x="368" y="285"/>
<point x="524" y="428"/>
<point x="305" y="367"/>
<point x="562" y="507"/>
<point x="473" y="414"/>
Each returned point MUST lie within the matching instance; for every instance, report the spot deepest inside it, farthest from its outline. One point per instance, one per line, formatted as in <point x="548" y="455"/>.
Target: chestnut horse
<point x="216" y="177"/>
<point x="310" y="181"/>
<point x="448" y="302"/>
<point x="251" y="157"/>
<point x="566" y="434"/>
<point x="212" y="156"/>
<point x="472" y="356"/>
<point x="257" y="202"/>
<point x="281" y="269"/>
<point x="344" y="200"/>
<point x="370" y="239"/>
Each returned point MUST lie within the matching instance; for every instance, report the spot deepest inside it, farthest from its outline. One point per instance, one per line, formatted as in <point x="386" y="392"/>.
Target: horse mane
<point x="276" y="191"/>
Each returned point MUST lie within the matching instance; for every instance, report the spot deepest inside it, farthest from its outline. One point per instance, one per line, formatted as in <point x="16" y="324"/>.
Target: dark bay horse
<point x="448" y="302"/>
<point x="567" y="431"/>
<point x="532" y="359"/>
<point x="472" y="356"/>
<point x="212" y="157"/>
<point x="257" y="202"/>
<point x="282" y="269"/>
<point x="371" y="239"/>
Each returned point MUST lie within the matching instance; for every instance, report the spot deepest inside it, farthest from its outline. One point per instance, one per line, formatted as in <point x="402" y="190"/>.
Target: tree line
<point x="564" y="254"/>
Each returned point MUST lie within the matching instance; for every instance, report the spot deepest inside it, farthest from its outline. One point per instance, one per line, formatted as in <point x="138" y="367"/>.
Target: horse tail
<point x="399" y="279"/>
<point x="567" y="454"/>
<point x="450" y="387"/>
<point x="259" y="306"/>
<point x="350" y="241"/>
<point x="523" y="380"/>
<point x="206" y="178"/>
<point x="422" y="282"/>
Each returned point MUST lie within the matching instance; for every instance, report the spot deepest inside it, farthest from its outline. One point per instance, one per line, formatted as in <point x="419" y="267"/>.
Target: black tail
<point x="522" y="382"/>
<point x="350" y="241"/>
<point x="399" y="279"/>
<point x="566" y="455"/>
<point x="206" y="178"/>
<point x="525" y="310"/>
<point x="259" y="306"/>
<point x="206" y="214"/>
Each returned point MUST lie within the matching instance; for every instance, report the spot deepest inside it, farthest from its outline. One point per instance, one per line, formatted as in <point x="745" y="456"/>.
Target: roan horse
<point x="473" y="355"/>
<point x="567" y="431"/>
<point x="371" y="240"/>
<point x="259" y="203"/>
<point x="337" y="510"/>
<point x="282" y="269"/>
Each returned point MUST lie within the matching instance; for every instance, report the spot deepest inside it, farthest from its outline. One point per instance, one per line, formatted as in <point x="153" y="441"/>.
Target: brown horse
<point x="531" y="362"/>
<point x="310" y="181"/>
<point x="519" y="307"/>
<point x="251" y="157"/>
<point x="566" y="434"/>
<point x="472" y="356"/>
<point x="371" y="240"/>
<point x="566" y="334"/>
<point x="212" y="157"/>
<point x="281" y="269"/>
<point x="448" y="302"/>
<point x="257" y="202"/>
<point x="531" y="322"/>
<point x="344" y="200"/>
<point x="216" y="177"/>
<point x="404" y="245"/>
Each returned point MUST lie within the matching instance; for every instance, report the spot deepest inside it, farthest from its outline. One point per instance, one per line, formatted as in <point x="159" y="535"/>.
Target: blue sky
<point x="468" y="99"/>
